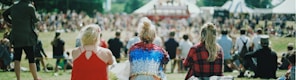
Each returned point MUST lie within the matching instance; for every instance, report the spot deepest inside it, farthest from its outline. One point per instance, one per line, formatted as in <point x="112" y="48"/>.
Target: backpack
<point x="244" y="49"/>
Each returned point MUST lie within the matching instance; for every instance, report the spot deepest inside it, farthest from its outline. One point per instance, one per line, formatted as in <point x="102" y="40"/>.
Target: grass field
<point x="278" y="44"/>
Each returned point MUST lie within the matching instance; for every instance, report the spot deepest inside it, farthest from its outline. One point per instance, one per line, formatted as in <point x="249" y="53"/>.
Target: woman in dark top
<point x="58" y="47"/>
<point x="21" y="17"/>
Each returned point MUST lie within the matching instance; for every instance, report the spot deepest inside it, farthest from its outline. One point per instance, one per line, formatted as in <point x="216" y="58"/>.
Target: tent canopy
<point x="287" y="7"/>
<point x="237" y="6"/>
<point x="160" y="6"/>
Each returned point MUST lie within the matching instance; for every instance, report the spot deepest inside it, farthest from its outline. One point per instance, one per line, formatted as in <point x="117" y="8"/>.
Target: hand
<point x="287" y="75"/>
<point x="8" y="24"/>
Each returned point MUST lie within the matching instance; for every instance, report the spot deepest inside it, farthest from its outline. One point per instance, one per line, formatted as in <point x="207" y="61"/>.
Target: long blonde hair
<point x="90" y="35"/>
<point x="208" y="37"/>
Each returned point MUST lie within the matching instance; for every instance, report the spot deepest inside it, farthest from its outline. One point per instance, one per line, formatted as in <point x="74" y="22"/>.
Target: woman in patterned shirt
<point x="147" y="59"/>
<point x="205" y="59"/>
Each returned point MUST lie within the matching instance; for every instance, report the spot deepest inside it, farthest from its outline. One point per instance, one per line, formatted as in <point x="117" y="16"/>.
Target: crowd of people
<point x="199" y="48"/>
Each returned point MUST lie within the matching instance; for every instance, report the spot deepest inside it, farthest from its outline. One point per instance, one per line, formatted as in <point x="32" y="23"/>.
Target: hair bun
<point x="146" y="26"/>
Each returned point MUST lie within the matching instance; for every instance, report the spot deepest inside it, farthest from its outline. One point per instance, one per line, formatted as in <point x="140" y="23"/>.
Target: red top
<point x="89" y="69"/>
<point x="103" y="43"/>
<point x="199" y="66"/>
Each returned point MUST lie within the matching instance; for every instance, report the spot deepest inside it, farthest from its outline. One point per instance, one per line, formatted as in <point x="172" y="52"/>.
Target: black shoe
<point x="241" y="74"/>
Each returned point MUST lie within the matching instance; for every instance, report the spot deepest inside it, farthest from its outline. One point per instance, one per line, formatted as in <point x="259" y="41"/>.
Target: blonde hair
<point x="147" y="33"/>
<point x="90" y="34"/>
<point x="208" y="36"/>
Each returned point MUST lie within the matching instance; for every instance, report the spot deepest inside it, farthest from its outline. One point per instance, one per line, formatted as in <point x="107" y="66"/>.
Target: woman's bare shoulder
<point x="106" y="51"/>
<point x="76" y="52"/>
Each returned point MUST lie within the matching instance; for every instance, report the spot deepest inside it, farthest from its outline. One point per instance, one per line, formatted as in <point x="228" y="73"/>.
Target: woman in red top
<point x="90" y="60"/>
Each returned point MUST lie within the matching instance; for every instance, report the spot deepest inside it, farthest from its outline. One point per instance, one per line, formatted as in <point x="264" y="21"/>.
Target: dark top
<point x="22" y="17"/>
<point x="58" y="48"/>
<point x="5" y="54"/>
<point x="39" y="51"/>
<point x="171" y="46"/>
<point x="115" y="46"/>
<point x="285" y="63"/>
<point x="291" y="58"/>
<point x="266" y="62"/>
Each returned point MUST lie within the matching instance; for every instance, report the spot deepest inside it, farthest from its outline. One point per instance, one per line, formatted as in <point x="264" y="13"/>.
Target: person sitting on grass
<point x="90" y="61"/>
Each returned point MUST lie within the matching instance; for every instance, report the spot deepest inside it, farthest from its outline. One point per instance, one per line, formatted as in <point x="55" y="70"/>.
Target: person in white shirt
<point x="239" y="43"/>
<point x="133" y="40"/>
<point x="183" y="49"/>
<point x="158" y="41"/>
<point x="256" y="45"/>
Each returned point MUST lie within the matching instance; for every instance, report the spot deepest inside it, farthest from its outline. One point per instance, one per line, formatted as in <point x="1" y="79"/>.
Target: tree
<point x="132" y="5"/>
<point x="259" y="3"/>
<point x="211" y="2"/>
<point x="6" y="2"/>
<point x="63" y="5"/>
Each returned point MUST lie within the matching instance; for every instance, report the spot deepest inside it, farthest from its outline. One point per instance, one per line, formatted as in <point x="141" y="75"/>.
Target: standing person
<point x="22" y="18"/>
<point x="133" y="40"/>
<point x="58" y="47"/>
<point x="226" y="44"/>
<point x="39" y="53"/>
<point x="183" y="50"/>
<point x="146" y="59"/>
<point x="266" y="60"/>
<point x="206" y="58"/>
<point x="90" y="60"/>
<point x="115" y="45"/>
<point x="171" y="46"/>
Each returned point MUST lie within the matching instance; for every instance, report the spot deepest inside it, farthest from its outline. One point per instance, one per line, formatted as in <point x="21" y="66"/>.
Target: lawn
<point x="278" y="44"/>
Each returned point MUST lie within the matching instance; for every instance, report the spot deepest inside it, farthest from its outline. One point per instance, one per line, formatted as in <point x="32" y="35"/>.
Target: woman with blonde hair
<point x="205" y="59"/>
<point x="147" y="59"/>
<point x="90" y="60"/>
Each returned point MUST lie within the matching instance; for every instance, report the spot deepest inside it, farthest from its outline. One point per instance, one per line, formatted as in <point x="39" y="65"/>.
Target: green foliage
<point x="210" y="2"/>
<point x="258" y="3"/>
<point x="63" y="5"/>
<point x="132" y="5"/>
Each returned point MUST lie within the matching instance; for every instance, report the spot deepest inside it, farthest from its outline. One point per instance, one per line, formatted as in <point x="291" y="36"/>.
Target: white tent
<point x="162" y="6"/>
<point x="237" y="6"/>
<point x="287" y="7"/>
<point x="262" y="10"/>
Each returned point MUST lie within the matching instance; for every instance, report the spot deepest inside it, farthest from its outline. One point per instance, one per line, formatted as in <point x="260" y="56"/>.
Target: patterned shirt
<point x="198" y="64"/>
<point x="146" y="61"/>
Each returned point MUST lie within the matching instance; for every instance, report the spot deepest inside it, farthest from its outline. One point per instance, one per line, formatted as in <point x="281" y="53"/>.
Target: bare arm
<point x="75" y="53"/>
<point x="110" y="57"/>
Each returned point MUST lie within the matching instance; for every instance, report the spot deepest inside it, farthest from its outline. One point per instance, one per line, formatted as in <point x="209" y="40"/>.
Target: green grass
<point x="278" y="44"/>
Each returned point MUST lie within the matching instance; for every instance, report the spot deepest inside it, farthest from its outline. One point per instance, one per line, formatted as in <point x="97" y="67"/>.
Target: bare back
<point x="102" y="53"/>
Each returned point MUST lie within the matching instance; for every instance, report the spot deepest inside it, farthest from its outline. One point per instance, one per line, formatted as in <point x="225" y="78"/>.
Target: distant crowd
<point x="176" y="36"/>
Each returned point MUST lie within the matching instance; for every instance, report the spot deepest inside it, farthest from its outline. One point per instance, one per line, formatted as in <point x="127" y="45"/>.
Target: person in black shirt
<point x="115" y="46"/>
<point x="266" y="60"/>
<point x="171" y="46"/>
<point x="58" y="47"/>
